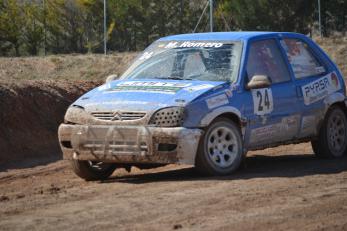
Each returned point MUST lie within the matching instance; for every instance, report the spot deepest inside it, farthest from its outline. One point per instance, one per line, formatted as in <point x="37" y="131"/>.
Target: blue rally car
<point x="205" y="100"/>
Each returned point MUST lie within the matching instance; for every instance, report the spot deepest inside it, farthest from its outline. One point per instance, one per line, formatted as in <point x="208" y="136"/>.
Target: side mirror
<point x="259" y="81"/>
<point x="111" y="78"/>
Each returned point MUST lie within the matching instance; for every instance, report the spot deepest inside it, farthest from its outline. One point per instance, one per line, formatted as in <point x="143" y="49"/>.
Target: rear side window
<point x="265" y="58"/>
<point x="302" y="60"/>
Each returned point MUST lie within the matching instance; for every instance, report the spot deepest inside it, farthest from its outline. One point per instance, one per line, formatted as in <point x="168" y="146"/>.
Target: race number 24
<point x="263" y="101"/>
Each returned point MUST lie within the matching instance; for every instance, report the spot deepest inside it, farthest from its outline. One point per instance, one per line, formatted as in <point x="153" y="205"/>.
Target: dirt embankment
<point x="35" y="93"/>
<point x="336" y="48"/>
<point x="30" y="113"/>
<point x="64" y="67"/>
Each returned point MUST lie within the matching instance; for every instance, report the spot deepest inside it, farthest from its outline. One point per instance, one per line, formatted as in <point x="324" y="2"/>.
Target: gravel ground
<point x="284" y="188"/>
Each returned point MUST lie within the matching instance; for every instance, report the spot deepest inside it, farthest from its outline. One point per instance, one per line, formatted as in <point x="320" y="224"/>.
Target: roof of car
<point x="244" y="35"/>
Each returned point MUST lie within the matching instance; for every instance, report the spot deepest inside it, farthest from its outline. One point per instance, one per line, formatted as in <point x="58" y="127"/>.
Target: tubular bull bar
<point x="129" y="144"/>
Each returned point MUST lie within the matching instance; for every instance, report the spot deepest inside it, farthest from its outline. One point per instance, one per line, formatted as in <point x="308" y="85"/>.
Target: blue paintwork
<point x="104" y="99"/>
<point x="233" y="36"/>
<point x="287" y="97"/>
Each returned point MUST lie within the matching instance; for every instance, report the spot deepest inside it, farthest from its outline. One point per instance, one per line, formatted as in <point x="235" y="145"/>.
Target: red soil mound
<point x="30" y="113"/>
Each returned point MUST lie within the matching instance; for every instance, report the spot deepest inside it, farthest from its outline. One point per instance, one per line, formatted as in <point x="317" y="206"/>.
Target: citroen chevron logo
<point x="117" y="116"/>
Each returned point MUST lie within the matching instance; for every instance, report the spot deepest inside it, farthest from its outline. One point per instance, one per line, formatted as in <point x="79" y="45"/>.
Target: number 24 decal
<point x="263" y="101"/>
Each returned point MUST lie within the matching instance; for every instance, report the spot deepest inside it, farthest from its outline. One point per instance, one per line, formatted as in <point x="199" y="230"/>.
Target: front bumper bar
<point x="129" y="144"/>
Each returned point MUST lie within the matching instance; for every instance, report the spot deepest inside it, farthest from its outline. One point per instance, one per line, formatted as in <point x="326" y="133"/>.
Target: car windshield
<point x="187" y="60"/>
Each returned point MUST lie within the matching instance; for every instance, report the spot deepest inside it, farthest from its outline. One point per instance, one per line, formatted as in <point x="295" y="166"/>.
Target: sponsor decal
<point x="152" y="86"/>
<point x="263" y="119"/>
<point x="262" y="101"/>
<point x="125" y="103"/>
<point x="171" y="45"/>
<point x="188" y="44"/>
<point x="234" y="87"/>
<point x="335" y="80"/>
<point x="320" y="69"/>
<point x="199" y="87"/>
<point x="291" y="123"/>
<point x="281" y="131"/>
<point x="259" y="135"/>
<point x="217" y="101"/>
<point x="154" y="83"/>
<point x="229" y="93"/>
<point x="146" y="55"/>
<point x="180" y="102"/>
<point x="320" y="88"/>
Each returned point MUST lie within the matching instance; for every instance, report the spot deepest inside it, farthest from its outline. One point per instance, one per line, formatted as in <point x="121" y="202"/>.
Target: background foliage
<point x="29" y="27"/>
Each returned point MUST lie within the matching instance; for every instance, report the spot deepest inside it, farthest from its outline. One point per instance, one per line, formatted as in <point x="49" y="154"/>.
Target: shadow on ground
<point x="29" y="162"/>
<point x="258" y="166"/>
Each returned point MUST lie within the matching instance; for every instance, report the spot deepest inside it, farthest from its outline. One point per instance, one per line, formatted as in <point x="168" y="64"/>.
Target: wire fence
<point x="41" y="27"/>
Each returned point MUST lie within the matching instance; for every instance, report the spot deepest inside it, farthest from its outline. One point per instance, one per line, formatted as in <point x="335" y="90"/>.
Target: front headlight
<point x="75" y="115"/>
<point x="168" y="117"/>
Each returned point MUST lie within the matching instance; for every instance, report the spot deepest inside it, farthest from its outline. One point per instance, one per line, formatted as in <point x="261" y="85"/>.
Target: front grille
<point x="118" y="116"/>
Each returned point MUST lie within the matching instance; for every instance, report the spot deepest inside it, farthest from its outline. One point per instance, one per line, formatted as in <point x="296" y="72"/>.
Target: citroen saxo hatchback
<point x="205" y="100"/>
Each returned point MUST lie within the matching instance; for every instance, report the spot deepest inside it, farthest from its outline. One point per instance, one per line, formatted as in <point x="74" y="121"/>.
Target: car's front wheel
<point x="220" y="149"/>
<point x="92" y="170"/>
<point x="332" y="138"/>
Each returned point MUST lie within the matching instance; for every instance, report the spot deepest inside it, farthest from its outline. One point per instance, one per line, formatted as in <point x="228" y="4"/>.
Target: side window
<point x="303" y="62"/>
<point x="265" y="58"/>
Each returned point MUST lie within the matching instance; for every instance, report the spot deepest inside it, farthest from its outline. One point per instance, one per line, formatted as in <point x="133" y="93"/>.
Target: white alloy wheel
<point x="220" y="149"/>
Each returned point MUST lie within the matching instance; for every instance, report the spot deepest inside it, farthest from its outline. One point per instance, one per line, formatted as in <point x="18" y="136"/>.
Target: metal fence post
<point x="211" y="15"/>
<point x="105" y="32"/>
<point x="319" y="19"/>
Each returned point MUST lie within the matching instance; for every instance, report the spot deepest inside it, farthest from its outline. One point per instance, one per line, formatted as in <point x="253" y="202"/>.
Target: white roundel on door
<point x="262" y="101"/>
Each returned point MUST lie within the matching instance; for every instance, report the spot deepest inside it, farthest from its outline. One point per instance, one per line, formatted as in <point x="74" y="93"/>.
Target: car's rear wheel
<point x="332" y="137"/>
<point x="220" y="148"/>
<point x="92" y="170"/>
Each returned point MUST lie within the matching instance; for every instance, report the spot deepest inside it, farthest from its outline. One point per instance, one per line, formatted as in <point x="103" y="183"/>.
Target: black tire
<point x="90" y="171"/>
<point x="221" y="139"/>
<point x="332" y="138"/>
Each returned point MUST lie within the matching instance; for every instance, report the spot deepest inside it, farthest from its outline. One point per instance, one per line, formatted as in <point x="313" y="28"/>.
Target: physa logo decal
<point x="320" y="88"/>
<point x="316" y="87"/>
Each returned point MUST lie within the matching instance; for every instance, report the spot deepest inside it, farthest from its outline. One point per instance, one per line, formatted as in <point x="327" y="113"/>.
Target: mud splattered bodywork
<point x="99" y="138"/>
<point x="129" y="144"/>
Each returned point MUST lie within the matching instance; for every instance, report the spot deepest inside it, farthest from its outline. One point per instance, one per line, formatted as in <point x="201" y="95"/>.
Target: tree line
<point x="34" y="27"/>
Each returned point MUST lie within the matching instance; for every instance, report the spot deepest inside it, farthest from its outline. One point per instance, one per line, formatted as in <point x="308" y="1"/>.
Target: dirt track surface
<point x="292" y="190"/>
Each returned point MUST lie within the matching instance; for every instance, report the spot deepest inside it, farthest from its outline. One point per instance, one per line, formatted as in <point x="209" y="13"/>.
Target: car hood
<point x="144" y="95"/>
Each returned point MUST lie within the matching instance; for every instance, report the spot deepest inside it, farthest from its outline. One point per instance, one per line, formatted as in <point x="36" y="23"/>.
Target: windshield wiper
<point x="175" y="77"/>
